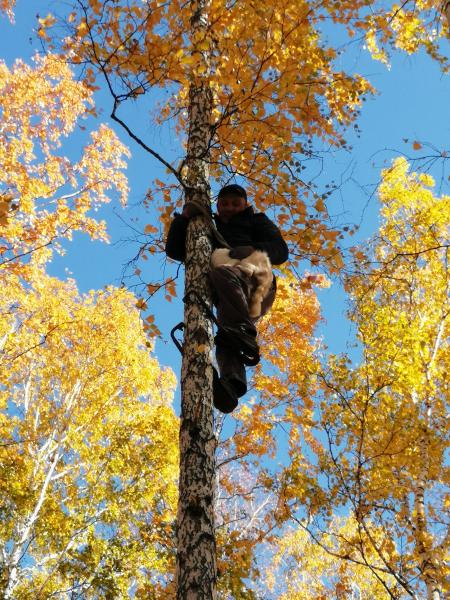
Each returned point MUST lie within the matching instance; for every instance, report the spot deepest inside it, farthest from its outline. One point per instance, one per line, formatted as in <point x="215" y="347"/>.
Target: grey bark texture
<point x="424" y="540"/>
<point x="196" y="571"/>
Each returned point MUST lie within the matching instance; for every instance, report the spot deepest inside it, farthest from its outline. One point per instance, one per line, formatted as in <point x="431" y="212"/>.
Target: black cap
<point x="232" y="189"/>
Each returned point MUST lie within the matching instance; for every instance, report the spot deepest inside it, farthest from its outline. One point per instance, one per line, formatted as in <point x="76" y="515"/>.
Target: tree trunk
<point x="423" y="537"/>
<point x="424" y="545"/>
<point x="196" y="546"/>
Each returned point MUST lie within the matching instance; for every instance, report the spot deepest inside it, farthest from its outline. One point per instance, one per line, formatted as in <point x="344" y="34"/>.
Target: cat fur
<point x="256" y="265"/>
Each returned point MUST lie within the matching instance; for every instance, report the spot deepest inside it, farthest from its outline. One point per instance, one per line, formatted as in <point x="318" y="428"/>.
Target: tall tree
<point x="84" y="410"/>
<point x="225" y="80"/>
<point x="252" y="89"/>
<point x="88" y="456"/>
<point x="379" y="447"/>
<point x="196" y="539"/>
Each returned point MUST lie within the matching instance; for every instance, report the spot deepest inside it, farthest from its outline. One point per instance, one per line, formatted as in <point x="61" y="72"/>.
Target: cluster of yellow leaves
<point x="45" y="196"/>
<point x="307" y="569"/>
<point x="88" y="451"/>
<point x="274" y="83"/>
<point x="409" y="27"/>
<point x="406" y="195"/>
<point x="380" y="446"/>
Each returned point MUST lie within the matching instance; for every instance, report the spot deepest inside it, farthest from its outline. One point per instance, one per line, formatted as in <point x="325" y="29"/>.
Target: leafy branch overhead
<point x="47" y="197"/>
<point x="280" y="98"/>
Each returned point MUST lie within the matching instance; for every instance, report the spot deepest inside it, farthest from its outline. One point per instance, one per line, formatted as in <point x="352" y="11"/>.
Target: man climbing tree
<point x="255" y="92"/>
<point x="244" y="231"/>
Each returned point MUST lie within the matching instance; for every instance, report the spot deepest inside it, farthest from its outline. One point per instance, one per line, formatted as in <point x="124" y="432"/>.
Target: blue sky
<point x="412" y="103"/>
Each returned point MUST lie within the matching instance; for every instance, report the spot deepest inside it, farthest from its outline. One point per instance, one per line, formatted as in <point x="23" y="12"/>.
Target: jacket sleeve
<point x="176" y="238"/>
<point x="267" y="237"/>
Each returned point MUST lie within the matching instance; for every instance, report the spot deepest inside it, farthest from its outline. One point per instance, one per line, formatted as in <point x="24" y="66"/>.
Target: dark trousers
<point x="232" y="290"/>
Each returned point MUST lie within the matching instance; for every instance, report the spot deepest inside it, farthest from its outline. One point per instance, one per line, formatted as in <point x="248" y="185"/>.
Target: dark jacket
<point x="246" y="228"/>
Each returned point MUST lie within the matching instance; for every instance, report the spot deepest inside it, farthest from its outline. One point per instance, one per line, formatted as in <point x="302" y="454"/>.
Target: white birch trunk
<point x="196" y="546"/>
<point x="423" y="538"/>
<point x="26" y="533"/>
<point x="46" y="459"/>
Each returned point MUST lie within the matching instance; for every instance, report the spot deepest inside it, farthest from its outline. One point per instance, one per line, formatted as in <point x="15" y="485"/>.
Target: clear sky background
<point x="412" y="103"/>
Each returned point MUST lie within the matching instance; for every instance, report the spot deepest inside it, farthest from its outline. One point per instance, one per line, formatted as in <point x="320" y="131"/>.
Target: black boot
<point x="225" y="398"/>
<point x="242" y="339"/>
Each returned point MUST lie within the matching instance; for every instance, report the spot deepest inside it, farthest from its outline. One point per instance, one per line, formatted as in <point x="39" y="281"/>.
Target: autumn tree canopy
<point x="349" y="451"/>
<point x="45" y="196"/>
<point x="86" y="424"/>
<point x="279" y="94"/>
<point x="85" y="411"/>
<point x="379" y="435"/>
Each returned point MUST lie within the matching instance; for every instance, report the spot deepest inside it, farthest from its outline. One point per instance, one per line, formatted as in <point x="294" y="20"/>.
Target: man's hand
<point x="241" y="252"/>
<point x="190" y="209"/>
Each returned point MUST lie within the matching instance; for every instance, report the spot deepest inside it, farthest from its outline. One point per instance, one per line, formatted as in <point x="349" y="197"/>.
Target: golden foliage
<point x="277" y="89"/>
<point x="247" y="458"/>
<point x="287" y="346"/>
<point x="307" y="569"/>
<point x="88" y="451"/>
<point x="382" y="430"/>
<point x="409" y="27"/>
<point x="48" y="195"/>
<point x="7" y="7"/>
<point x="274" y="87"/>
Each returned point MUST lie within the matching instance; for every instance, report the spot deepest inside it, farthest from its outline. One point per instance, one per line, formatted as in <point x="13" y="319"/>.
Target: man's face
<point x="230" y="205"/>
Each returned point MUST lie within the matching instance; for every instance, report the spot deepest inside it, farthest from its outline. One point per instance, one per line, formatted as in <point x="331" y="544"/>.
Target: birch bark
<point x="424" y="543"/>
<point x="196" y="546"/>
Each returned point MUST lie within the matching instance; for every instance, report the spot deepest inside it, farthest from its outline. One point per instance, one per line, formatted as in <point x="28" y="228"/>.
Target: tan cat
<point x="256" y="265"/>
